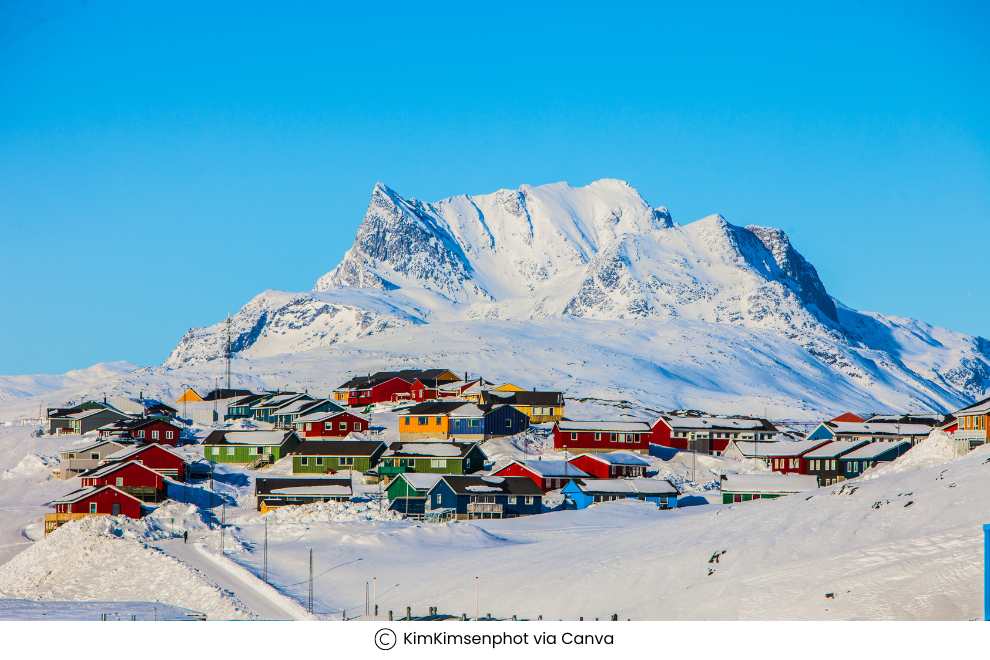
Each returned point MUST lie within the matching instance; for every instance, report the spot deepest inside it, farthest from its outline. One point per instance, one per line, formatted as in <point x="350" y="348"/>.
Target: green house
<point x="286" y="416"/>
<point x="241" y="408"/>
<point x="432" y="458"/>
<point x="764" y="486"/>
<point x="411" y="485"/>
<point x="319" y="457"/>
<point x="244" y="447"/>
<point x="264" y="410"/>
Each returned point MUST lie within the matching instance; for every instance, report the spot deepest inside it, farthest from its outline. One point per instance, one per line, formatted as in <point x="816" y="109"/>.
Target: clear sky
<point x="163" y="162"/>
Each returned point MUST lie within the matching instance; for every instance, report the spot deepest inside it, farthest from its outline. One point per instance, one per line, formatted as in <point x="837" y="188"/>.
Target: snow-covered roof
<point x="314" y="491"/>
<point x="421" y="480"/>
<point x="834" y="449"/>
<point x="87" y="413"/>
<point x="294" y="406"/>
<point x="617" y="458"/>
<point x="127" y="452"/>
<point x="483" y="489"/>
<point x="874" y="449"/>
<point x="714" y="422"/>
<point x="980" y="407"/>
<point x="778" y="449"/>
<point x="768" y="483"/>
<point x="468" y="409"/>
<point x="277" y="400"/>
<point x="608" y="427"/>
<point x="83" y="493"/>
<point x="874" y="428"/>
<point x="94" y="445"/>
<point x="449" y="450"/>
<point x="634" y="486"/>
<point x="324" y="416"/>
<point x="111" y="468"/>
<point x="553" y="468"/>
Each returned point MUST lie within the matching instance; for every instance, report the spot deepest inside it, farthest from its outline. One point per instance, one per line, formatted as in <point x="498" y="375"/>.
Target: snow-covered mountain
<point x="602" y="254"/>
<point x="15" y="387"/>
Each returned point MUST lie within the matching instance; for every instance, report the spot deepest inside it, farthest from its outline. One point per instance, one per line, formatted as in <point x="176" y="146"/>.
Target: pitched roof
<point x="421" y="480"/>
<point x="246" y="400"/>
<point x="553" y="468"/>
<point x="768" y="483"/>
<point x="338" y="448"/>
<point x="835" y="449"/>
<point x="98" y="443"/>
<point x="848" y="417"/>
<point x="472" y="485"/>
<point x="615" y="458"/>
<point x="874" y="449"/>
<point x="224" y="393"/>
<point x="83" y="493"/>
<point x="877" y="428"/>
<point x="524" y="398"/>
<point x="110" y="468"/>
<point x="328" y="490"/>
<point x="128" y="452"/>
<point x="279" y="400"/>
<point x="247" y="437"/>
<point x="780" y="448"/>
<point x="266" y="485"/>
<point x="435" y="449"/>
<point x="720" y="423"/>
<point x="979" y="407"/>
<point x="428" y="408"/>
<point x="323" y="416"/>
<point x="627" y="486"/>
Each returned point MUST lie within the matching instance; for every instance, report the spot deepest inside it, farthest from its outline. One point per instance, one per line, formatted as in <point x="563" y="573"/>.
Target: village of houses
<point x="433" y="463"/>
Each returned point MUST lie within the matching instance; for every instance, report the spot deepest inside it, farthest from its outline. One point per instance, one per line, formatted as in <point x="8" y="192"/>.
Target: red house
<point x="580" y="437"/>
<point x="331" y="424"/>
<point x="548" y="475"/>
<point x="709" y="435"/>
<point x="131" y="477"/>
<point x="93" y="500"/>
<point x="785" y="457"/>
<point x="611" y="466"/>
<point x="152" y="430"/>
<point x="158" y="458"/>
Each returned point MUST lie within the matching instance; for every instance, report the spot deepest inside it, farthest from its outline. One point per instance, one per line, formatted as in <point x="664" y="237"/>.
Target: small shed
<point x="746" y="487"/>
<point x="580" y="494"/>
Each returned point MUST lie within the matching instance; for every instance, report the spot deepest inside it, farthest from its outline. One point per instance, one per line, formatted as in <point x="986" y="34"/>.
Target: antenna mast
<point x="228" y="350"/>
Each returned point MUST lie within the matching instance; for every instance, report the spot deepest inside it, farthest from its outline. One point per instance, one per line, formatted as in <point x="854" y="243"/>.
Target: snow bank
<point x="327" y="512"/>
<point x="32" y="468"/>
<point x="934" y="450"/>
<point x="97" y="558"/>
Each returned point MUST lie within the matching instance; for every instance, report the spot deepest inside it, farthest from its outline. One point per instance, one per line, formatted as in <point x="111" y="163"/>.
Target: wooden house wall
<point x="163" y="428"/>
<point x="134" y="476"/>
<point x="319" y="430"/>
<point x="105" y="500"/>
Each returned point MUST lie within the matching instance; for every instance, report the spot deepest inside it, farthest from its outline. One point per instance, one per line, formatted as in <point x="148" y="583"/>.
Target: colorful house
<point x="746" y="487"/>
<point x="540" y="407"/>
<point x="461" y="420"/>
<point x="469" y="390"/>
<point x="331" y="424"/>
<point x="286" y="416"/>
<point x="189" y="396"/>
<point x="241" y="408"/>
<point x="160" y="459"/>
<point x="475" y="498"/>
<point x="548" y="475"/>
<point x="246" y="447"/>
<point x="786" y="457"/>
<point x="580" y="494"/>
<point x="709" y="435"/>
<point x="408" y="492"/>
<point x="860" y="460"/>
<point x="972" y="423"/>
<point x="428" y="384"/>
<point x="274" y="492"/>
<point x="599" y="436"/>
<point x="611" y="465"/>
<point x="436" y="457"/>
<point x="870" y="432"/>
<point x="93" y="501"/>
<point x="73" y="462"/>
<point x="322" y="457"/>
<point x="131" y="477"/>
<point x="264" y="410"/>
<point x="147" y="429"/>
<point x="83" y="421"/>
<point x="823" y="462"/>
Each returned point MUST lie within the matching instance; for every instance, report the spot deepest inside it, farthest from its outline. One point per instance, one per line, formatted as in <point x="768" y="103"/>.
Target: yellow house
<point x="189" y="396"/>
<point x="427" y="420"/>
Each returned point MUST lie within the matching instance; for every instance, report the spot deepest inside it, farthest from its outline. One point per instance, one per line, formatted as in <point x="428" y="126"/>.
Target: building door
<point x="116" y="508"/>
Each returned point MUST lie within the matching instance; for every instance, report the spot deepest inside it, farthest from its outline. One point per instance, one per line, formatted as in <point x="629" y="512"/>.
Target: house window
<point x="168" y="435"/>
<point x="309" y="426"/>
<point x="328" y="426"/>
<point x="549" y="412"/>
<point x="405" y="420"/>
<point x="230" y="451"/>
<point x="345" y="460"/>
<point x="598" y="436"/>
<point x="475" y="423"/>
<point x="120" y="481"/>
<point x="573" y="436"/>
<point x="508" y="423"/>
<point x="140" y="434"/>
<point x="421" y="421"/>
<point x="342" y="426"/>
<point x="438" y="462"/>
<point x="92" y="507"/>
<point x="260" y="450"/>
<point x="304" y="460"/>
<point x="154" y="435"/>
<point x="357" y="426"/>
<point x="529" y="500"/>
<point x="95" y="456"/>
<point x="72" y="455"/>
<point x="319" y="460"/>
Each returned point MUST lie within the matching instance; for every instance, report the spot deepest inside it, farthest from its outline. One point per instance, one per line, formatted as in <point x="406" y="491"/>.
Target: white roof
<point x="86" y="413"/>
<point x="553" y="468"/>
<point x="617" y="458"/>
<point x="94" y="445"/>
<point x="641" y="486"/>
<point x="130" y="451"/>
<point x="295" y="406"/>
<point x="775" y="449"/>
<point x="769" y="483"/>
<point x="254" y="437"/>
<point x="426" y="449"/>
<point x="113" y="467"/>
<point x="482" y="489"/>
<point x="467" y="410"/>
<point x="619" y="427"/>
<point x="977" y="408"/>
<point x="878" y="428"/>
<point x="873" y="450"/>
<point x="277" y="400"/>
<point x="421" y="480"/>
<point x="314" y="491"/>
<point x="832" y="449"/>
<point x="713" y="422"/>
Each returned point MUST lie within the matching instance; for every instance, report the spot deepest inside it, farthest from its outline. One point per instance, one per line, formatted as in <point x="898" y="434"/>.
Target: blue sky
<point x="162" y="163"/>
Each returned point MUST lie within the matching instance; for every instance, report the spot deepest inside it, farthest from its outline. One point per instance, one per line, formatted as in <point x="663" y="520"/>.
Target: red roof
<point x="848" y="417"/>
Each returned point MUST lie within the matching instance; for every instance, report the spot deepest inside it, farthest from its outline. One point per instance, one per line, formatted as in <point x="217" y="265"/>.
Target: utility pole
<point x="228" y="350"/>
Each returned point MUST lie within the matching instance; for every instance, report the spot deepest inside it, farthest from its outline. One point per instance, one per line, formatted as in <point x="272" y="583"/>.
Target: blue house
<point x="580" y="493"/>
<point x="476" y="498"/>
<point x="483" y="422"/>
<point x="859" y="461"/>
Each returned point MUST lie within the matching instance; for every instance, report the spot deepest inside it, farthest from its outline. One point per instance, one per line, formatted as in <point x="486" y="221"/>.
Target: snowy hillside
<point x="595" y="272"/>
<point x="12" y="387"/>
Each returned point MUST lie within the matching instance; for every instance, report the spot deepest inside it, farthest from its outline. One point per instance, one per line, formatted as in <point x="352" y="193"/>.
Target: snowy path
<point x="263" y="599"/>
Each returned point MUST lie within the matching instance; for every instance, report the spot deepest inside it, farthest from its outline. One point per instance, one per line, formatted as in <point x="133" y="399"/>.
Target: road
<point x="262" y="599"/>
